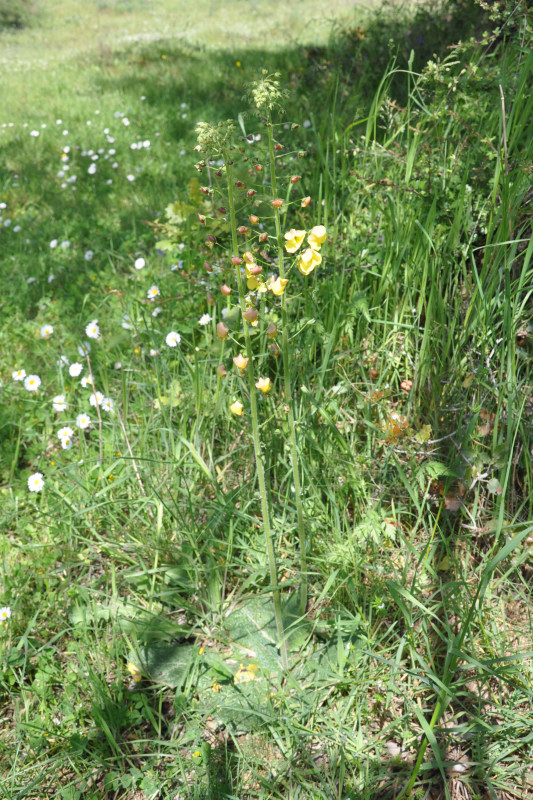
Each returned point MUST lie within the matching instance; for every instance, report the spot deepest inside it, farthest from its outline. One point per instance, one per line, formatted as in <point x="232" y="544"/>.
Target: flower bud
<point x="256" y="269"/>
<point x="278" y="147"/>
<point x="242" y="229"/>
<point x="274" y="349"/>
<point x="221" y="210"/>
<point x="240" y="361"/>
<point x="258" y="168"/>
<point x="211" y="238"/>
<point x="251" y="192"/>
<point x="272" y="330"/>
<point x="222" y="331"/>
<point x="277" y="203"/>
<point x="236" y="261"/>
<point x="306" y="201"/>
<point x="225" y="289"/>
<point x="253" y="219"/>
<point x="296" y="178"/>
<point x="222" y="371"/>
<point x="250" y="315"/>
<point x="201" y="219"/>
<point x="263" y="237"/>
<point x="240" y="185"/>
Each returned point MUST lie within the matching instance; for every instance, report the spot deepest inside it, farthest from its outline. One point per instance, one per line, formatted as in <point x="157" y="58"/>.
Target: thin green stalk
<point x="276" y="594"/>
<point x="287" y="384"/>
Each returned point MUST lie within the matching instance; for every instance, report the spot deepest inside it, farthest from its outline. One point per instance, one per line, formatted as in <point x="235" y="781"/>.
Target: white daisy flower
<point x="205" y="319"/>
<point x="75" y="369"/>
<point x="59" y="403"/>
<point x="35" y="482"/>
<point x="154" y="352"/>
<point x="172" y="339"/>
<point x="85" y="382"/>
<point x="88" y="255"/>
<point x="153" y="292"/>
<point x="140" y="263"/>
<point x="46" y="331"/>
<point x="96" y="399"/>
<point x="84" y="348"/>
<point x="32" y="383"/>
<point x="53" y="244"/>
<point x="157" y="310"/>
<point x="92" y="330"/>
<point x="83" y="421"/>
<point x="65" y="433"/>
<point x="18" y="374"/>
<point x="117" y="365"/>
<point x="62" y="361"/>
<point x="108" y="404"/>
<point x="92" y="169"/>
<point x="34" y="133"/>
<point x="131" y="178"/>
<point x="5" y="613"/>
<point x="66" y="443"/>
<point x="126" y="322"/>
<point x="31" y="280"/>
<point x="65" y="245"/>
<point x="51" y="278"/>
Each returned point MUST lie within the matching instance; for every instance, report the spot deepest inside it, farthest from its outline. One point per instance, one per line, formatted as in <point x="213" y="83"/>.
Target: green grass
<point x="410" y="368"/>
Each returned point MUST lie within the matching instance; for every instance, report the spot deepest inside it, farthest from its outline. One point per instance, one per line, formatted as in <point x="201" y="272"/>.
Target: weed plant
<point x="388" y="462"/>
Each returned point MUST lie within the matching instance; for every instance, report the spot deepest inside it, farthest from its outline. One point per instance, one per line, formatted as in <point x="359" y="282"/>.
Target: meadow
<point x="266" y="372"/>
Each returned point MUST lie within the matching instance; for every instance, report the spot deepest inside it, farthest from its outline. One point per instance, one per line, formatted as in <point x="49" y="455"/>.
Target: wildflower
<point x="294" y="240"/>
<point x="108" y="404"/>
<point x="126" y="322"/>
<point x="92" y="169"/>
<point x="84" y="349"/>
<point x="236" y="408"/>
<point x="83" y="421"/>
<point x="53" y="244"/>
<point x="250" y="315"/>
<point x="75" y="369"/>
<point x="88" y="255"/>
<point x="278" y="286"/>
<point x="134" y="671"/>
<point x="65" y="433"/>
<point x="153" y="292"/>
<point x="263" y="384"/>
<point x="96" y="399"/>
<point x="36" y="482"/>
<point x="5" y="613"/>
<point x="317" y="237"/>
<point x="62" y="361"/>
<point x="32" y="383"/>
<point x="205" y="319"/>
<point x="65" y="245"/>
<point x="46" y="331"/>
<point x="58" y="402"/>
<point x="140" y="263"/>
<point x="271" y="330"/>
<point x="85" y="382"/>
<point x="240" y="361"/>
<point x="18" y="374"/>
<point x="308" y="260"/>
<point x="154" y="352"/>
<point x="92" y="330"/>
<point x="157" y="310"/>
<point x="172" y="339"/>
<point x="222" y="371"/>
<point x="66" y="442"/>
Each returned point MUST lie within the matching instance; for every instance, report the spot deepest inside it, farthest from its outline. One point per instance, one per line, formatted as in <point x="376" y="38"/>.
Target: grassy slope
<point x="417" y="286"/>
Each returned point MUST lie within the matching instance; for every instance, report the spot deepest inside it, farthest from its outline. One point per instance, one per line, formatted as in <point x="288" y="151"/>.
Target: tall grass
<point x="140" y="658"/>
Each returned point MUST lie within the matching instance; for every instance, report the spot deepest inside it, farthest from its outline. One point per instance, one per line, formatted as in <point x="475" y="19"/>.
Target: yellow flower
<point x="246" y="674"/>
<point x="277" y="286"/>
<point x="317" y="237"/>
<point x="134" y="671"/>
<point x="263" y="384"/>
<point x="308" y="260"/>
<point x="294" y="240"/>
<point x="240" y="361"/>
<point x="254" y="284"/>
<point x="236" y="408"/>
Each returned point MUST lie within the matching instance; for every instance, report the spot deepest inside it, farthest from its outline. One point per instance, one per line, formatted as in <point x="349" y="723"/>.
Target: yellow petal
<point x="263" y="384"/>
<point x="294" y="240"/>
<point x="236" y="408"/>
<point x="317" y="237"/>
<point x="308" y="260"/>
<point x="277" y="286"/>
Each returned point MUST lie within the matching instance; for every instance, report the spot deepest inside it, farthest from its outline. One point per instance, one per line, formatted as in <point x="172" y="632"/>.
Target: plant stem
<point x="287" y="385"/>
<point x="276" y="594"/>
